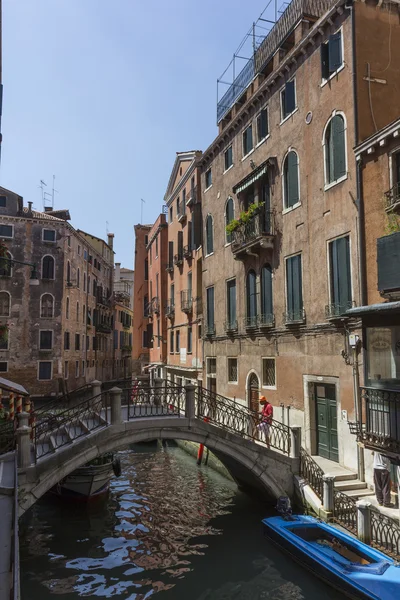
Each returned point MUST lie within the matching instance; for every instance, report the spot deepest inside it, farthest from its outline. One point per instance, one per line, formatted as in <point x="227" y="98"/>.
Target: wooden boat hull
<point x="85" y="483"/>
<point x="378" y="580"/>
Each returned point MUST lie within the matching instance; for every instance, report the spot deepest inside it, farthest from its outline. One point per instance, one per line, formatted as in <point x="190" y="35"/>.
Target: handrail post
<point x="328" y="495"/>
<point x="24" y="440"/>
<point x="295" y="442"/>
<point x="96" y="388"/>
<point x="364" y="521"/>
<point x="190" y="411"/>
<point x="158" y="390"/>
<point x="115" y="399"/>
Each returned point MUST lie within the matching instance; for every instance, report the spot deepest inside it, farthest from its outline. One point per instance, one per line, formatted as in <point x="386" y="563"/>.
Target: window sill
<point x="290" y="208"/>
<point x="269" y="387"/>
<point x="227" y="244"/>
<point x="328" y="186"/>
<point x="332" y="76"/>
<point x="263" y="140"/>
<point x="228" y="169"/>
<point x="247" y="155"/>
<point x="233" y="382"/>
<point x="211" y="254"/>
<point x="290" y="115"/>
<point x="209" y="188"/>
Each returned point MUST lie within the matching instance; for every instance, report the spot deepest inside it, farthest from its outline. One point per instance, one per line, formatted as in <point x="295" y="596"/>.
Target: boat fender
<point x="116" y="465"/>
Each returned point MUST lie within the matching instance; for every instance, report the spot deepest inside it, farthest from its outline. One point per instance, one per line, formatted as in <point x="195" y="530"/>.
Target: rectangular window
<point x="268" y="372"/>
<point x="171" y="214"/>
<point x="228" y="158"/>
<point x="178" y="341"/>
<point x="262" y="125"/>
<point x="145" y="339"/>
<point x="77" y="368"/>
<point x="6" y="231"/>
<point x="66" y="369"/>
<point x="79" y="250"/>
<point x="210" y="311"/>
<point x="171" y="342"/>
<point x="156" y="246"/>
<point x="158" y="333"/>
<point x="211" y="366"/>
<point x="46" y="340"/>
<point x="383" y="364"/>
<point x="231" y="304"/>
<point x="115" y="339"/>
<point x="146" y="270"/>
<point x="45" y="370"/>
<point x="294" y="291"/>
<point x="208" y="178"/>
<point x="83" y="367"/>
<point x="247" y="140"/>
<point x="3" y="364"/>
<point x="189" y="340"/>
<point x="77" y="341"/>
<point x="3" y="201"/>
<point x="66" y="340"/>
<point x="331" y="55"/>
<point x="232" y="370"/>
<point x="288" y="99"/>
<point x="340" y="276"/>
<point x="49" y="235"/>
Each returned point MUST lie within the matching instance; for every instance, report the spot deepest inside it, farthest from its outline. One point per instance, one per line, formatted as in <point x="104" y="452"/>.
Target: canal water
<point x="168" y="529"/>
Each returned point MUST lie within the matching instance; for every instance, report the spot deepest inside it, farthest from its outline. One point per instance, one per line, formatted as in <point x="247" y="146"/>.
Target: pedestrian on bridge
<point x="267" y="414"/>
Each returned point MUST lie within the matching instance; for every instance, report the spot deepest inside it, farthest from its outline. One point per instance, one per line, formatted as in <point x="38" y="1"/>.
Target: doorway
<point x="253" y="392"/>
<point x="327" y="435"/>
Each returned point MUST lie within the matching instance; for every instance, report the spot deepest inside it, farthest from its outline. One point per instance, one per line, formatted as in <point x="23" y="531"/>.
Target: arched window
<point x="47" y="306"/>
<point x="335" y="150"/>
<point x="209" y="235"/>
<point x="291" y="188"/>
<point x="251" y="299"/>
<point x="48" y="267"/>
<point x="6" y="265"/>
<point x="68" y="272"/>
<point x="229" y="216"/>
<point x="267" y="309"/>
<point x="5" y="302"/>
<point x="67" y="309"/>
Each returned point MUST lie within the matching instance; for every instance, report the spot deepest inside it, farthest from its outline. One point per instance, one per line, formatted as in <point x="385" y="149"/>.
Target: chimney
<point x="117" y="273"/>
<point x="110" y="237"/>
<point x="29" y="213"/>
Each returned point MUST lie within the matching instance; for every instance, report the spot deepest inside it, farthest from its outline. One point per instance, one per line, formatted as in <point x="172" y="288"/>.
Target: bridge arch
<point x="250" y="464"/>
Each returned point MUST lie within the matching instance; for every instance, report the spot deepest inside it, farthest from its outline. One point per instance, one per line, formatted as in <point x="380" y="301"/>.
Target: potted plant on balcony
<point x="3" y="332"/>
<point x="3" y="250"/>
<point x="244" y="217"/>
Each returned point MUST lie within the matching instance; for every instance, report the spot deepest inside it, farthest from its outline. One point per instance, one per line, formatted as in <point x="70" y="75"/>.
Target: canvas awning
<point x="374" y="309"/>
<point x="254" y="175"/>
<point x="10" y="386"/>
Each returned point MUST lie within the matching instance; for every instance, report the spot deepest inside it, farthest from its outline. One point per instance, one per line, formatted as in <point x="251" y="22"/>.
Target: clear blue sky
<point x="103" y="93"/>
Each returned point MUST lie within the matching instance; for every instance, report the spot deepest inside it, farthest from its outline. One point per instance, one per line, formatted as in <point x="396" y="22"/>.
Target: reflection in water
<point x="166" y="526"/>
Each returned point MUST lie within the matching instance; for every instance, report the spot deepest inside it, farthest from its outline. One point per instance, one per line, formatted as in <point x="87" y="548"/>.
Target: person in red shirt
<point x="266" y="416"/>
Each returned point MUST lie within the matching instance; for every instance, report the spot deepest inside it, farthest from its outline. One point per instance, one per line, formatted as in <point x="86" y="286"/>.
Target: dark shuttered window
<point x="210" y="311"/>
<point x="294" y="300"/>
<point x="251" y="299"/>
<point x="247" y="140"/>
<point x="229" y="215"/>
<point x="288" y="99"/>
<point x="262" y="125"/>
<point x="291" y="180"/>
<point x="180" y="244"/>
<point x="209" y="235"/>
<point x="48" y="267"/>
<point x="231" y="304"/>
<point x="228" y="158"/>
<point x="331" y="55"/>
<point x="340" y="272"/>
<point x="335" y="149"/>
<point x="170" y="254"/>
<point x="197" y="226"/>
<point x="266" y="295"/>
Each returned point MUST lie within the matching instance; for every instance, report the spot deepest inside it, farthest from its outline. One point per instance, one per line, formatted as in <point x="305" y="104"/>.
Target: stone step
<point x="349" y="476"/>
<point x="358" y="493"/>
<point x="352" y="484"/>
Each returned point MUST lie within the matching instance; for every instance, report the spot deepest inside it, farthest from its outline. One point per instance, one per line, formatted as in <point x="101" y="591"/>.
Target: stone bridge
<point x="61" y="440"/>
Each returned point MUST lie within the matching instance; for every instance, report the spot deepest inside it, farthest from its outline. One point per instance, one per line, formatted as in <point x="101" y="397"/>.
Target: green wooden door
<point x="327" y="437"/>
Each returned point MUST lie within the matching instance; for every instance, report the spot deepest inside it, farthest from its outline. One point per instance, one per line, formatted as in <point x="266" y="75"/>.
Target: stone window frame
<point x="285" y="208"/>
<point x="51" y="370"/>
<point x="52" y="340"/>
<point x="54" y="267"/>
<point x="66" y="369"/>
<point x="231" y="381"/>
<point x="4" y="362"/>
<point x="49" y="241"/>
<point x="41" y="307"/>
<point x="9" y="303"/>
<point x="329" y="184"/>
<point x="8" y="237"/>
<point x="268" y="387"/>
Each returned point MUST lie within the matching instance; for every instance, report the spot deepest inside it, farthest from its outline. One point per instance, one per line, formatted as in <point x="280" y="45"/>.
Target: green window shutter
<point x="340" y="274"/>
<point x="210" y="308"/>
<point x="294" y="287"/>
<point x="339" y="148"/>
<point x="197" y="226"/>
<point x="229" y="218"/>
<point x="209" y="235"/>
<point x="266" y="290"/>
<point x="290" y="99"/>
<point x="232" y="302"/>
<point x="189" y="235"/>
<point x="324" y="61"/>
<point x="251" y="295"/>
<point x="170" y="253"/>
<point x="335" y="51"/>
<point x="292" y="179"/>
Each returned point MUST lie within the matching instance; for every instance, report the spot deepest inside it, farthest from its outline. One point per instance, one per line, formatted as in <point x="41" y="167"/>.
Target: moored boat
<point x="89" y="481"/>
<point x="356" y="569"/>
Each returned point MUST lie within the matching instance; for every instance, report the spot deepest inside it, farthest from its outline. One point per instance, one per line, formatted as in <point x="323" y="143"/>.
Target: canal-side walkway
<point x="7" y="487"/>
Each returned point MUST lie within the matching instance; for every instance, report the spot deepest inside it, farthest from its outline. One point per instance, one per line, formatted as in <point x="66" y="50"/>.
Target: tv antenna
<point x="141" y="209"/>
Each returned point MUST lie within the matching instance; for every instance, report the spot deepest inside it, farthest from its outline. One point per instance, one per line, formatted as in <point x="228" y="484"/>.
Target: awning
<point x="380" y="308"/>
<point x="256" y="174"/>
<point x="6" y="384"/>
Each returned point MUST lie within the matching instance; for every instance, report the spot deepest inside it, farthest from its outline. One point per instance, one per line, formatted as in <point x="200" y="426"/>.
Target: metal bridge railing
<point x="312" y="473"/>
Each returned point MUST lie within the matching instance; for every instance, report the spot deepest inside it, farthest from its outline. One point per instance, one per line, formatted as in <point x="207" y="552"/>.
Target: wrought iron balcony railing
<point x="169" y="267"/>
<point x="392" y="198"/>
<point x="336" y="310"/>
<point x="178" y="259"/>
<point x="153" y="306"/>
<point x="191" y="196"/>
<point x="181" y="212"/>
<point x="170" y="309"/>
<point x="294" y="317"/>
<point x="187" y="252"/>
<point x="103" y="328"/>
<point x="231" y="325"/>
<point x="251" y="322"/>
<point x="254" y="235"/>
<point x="266" y="320"/>
<point x="378" y="427"/>
<point x="186" y="301"/>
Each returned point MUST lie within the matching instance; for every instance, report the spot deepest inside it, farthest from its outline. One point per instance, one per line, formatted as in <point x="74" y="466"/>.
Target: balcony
<point x="153" y="306"/>
<point x="266" y="320"/>
<point x="231" y="326"/>
<point x="294" y="317"/>
<point x="338" y="310"/>
<point x="181" y="212"/>
<point x="254" y="235"/>
<point x="251" y="323"/>
<point x="100" y="299"/>
<point x="388" y="258"/>
<point x="392" y="199"/>
<point x="187" y="252"/>
<point x="103" y="328"/>
<point x="191" y="196"/>
<point x="178" y="260"/>
<point x="379" y="425"/>
<point x="209" y="330"/>
<point x="186" y="301"/>
<point x="169" y="267"/>
<point x="170" y="309"/>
